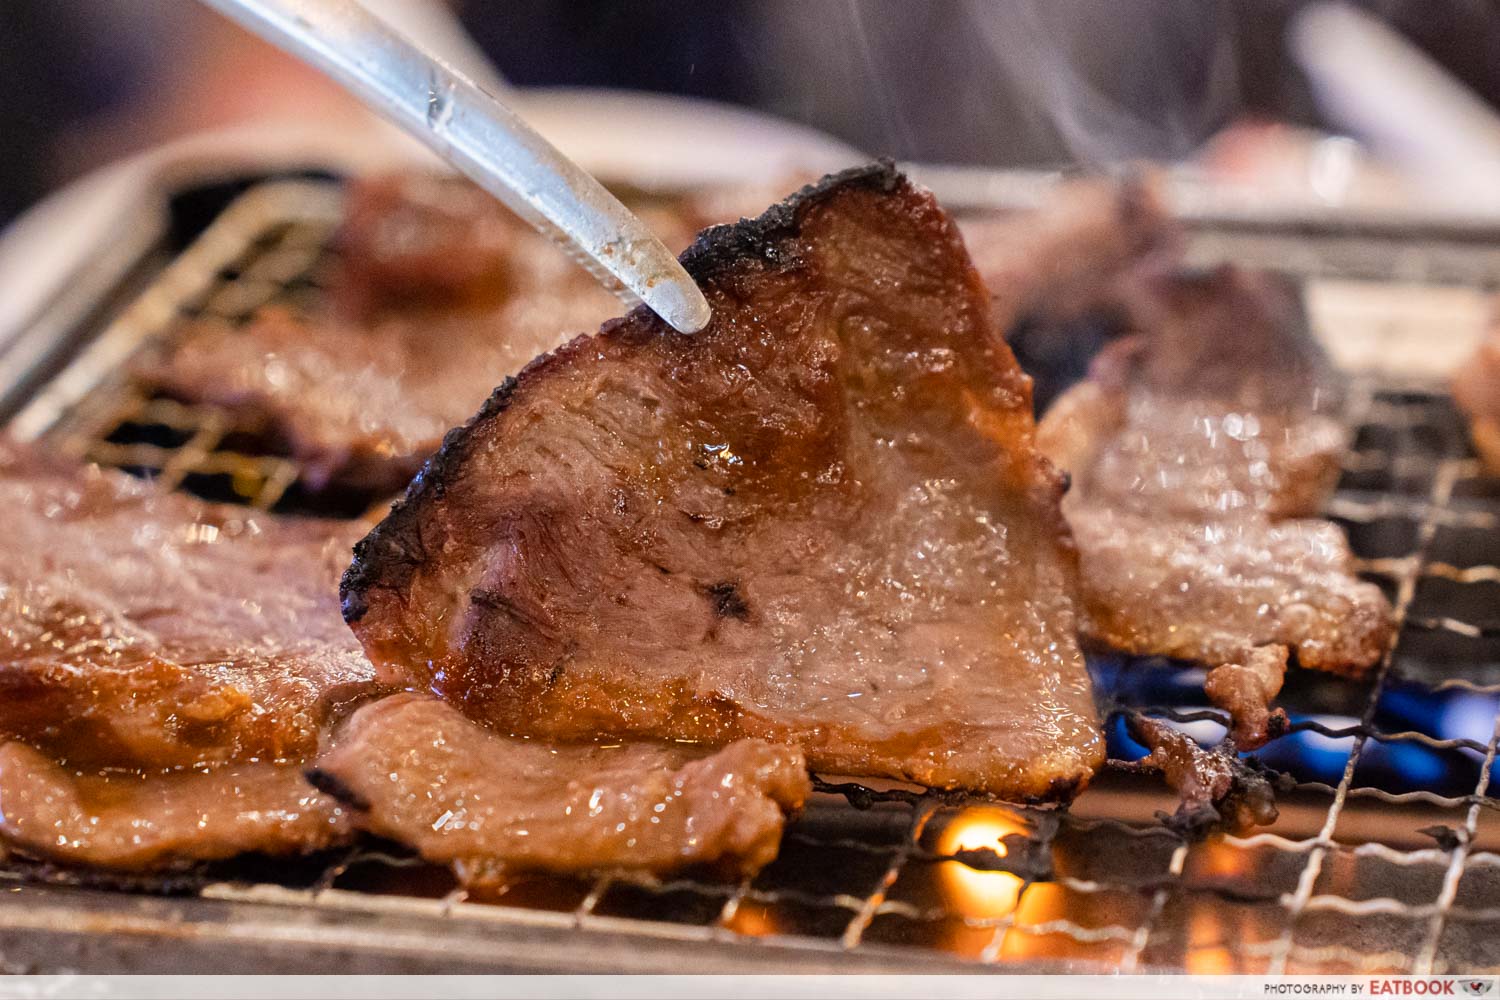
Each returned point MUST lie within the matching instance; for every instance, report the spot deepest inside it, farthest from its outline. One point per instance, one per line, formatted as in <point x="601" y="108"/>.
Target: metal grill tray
<point x="1386" y="857"/>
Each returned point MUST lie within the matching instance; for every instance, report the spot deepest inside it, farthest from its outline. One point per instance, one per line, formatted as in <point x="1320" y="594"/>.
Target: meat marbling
<point x="821" y="521"/>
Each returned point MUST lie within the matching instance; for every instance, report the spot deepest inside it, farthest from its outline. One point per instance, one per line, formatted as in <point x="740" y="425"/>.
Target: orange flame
<point x="978" y="893"/>
<point x="753" y="919"/>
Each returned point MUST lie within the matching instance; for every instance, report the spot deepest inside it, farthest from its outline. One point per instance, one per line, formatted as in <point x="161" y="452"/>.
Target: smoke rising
<point x="1006" y="82"/>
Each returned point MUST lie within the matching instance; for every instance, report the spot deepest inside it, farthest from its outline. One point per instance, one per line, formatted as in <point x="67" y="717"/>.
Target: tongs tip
<point x="485" y="140"/>
<point x="683" y="308"/>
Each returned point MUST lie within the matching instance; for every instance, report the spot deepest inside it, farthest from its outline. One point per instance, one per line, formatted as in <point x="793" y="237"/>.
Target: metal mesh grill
<point x="1386" y="856"/>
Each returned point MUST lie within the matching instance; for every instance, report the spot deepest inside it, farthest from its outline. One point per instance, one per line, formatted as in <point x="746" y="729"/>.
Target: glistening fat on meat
<point x="1199" y="449"/>
<point x="165" y="667"/>
<point x="821" y="521"/>
<point x="413" y="769"/>
<point x="439" y="294"/>
<point x="169" y="669"/>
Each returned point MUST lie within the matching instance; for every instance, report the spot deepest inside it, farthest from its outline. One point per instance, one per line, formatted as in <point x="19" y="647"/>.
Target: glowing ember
<point x="753" y="920"/>
<point x="969" y="891"/>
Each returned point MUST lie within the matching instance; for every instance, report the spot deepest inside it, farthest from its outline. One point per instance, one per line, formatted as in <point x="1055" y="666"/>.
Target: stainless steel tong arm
<point x="483" y="139"/>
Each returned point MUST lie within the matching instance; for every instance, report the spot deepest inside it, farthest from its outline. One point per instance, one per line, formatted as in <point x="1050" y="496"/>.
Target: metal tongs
<point x="483" y="139"/>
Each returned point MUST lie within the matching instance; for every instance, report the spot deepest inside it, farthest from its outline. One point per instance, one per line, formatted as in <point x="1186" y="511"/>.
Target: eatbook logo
<point x="1403" y="986"/>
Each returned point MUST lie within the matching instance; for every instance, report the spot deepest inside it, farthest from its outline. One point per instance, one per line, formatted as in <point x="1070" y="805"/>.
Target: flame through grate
<point x="1386" y="857"/>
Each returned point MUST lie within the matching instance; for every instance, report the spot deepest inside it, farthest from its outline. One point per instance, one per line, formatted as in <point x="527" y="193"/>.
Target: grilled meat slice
<point x="1058" y="261"/>
<point x="128" y="821"/>
<point x="154" y="634"/>
<point x="822" y="521"/>
<point x="1184" y="459"/>
<point x="440" y="293"/>
<point x="1198" y="450"/>
<point x="414" y="239"/>
<point x="1059" y="273"/>
<point x="362" y="404"/>
<point x="419" y="772"/>
<point x="1223" y="403"/>
<point x="1212" y="590"/>
<point x="1476" y="389"/>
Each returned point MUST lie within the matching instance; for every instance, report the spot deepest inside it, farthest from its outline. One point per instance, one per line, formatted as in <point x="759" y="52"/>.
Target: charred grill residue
<point x="727" y="601"/>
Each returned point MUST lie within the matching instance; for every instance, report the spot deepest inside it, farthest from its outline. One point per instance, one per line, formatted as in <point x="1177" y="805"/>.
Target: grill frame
<point x="236" y="917"/>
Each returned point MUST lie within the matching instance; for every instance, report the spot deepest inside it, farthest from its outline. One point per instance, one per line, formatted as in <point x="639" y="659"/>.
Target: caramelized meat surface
<point x="820" y="521"/>
<point x="1217" y="790"/>
<point x="1198" y="450"/>
<point x="1246" y="690"/>
<point x="421" y="773"/>
<point x="150" y="633"/>
<point x="1210" y="590"/>
<point x="363" y="403"/>
<point x="136" y="820"/>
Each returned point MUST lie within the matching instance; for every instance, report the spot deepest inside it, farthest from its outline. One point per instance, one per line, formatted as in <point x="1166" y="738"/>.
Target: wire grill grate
<point x="1386" y="857"/>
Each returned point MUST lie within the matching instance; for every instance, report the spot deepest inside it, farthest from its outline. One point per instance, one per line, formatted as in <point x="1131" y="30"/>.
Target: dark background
<point x="1000" y="82"/>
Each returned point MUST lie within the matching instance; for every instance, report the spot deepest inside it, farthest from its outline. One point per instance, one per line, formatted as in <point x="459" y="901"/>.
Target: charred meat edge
<point x="389" y="555"/>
